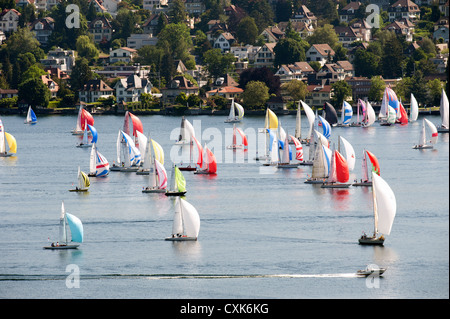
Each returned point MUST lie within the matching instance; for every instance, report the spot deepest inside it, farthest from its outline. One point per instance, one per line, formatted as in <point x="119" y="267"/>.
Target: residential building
<point x="8" y="93"/>
<point x="138" y="40"/>
<point x="2" y="37"/>
<point x="360" y="87"/>
<point x="176" y="86"/>
<point x="347" y="13"/>
<point x="93" y="90"/>
<point x="362" y="30"/>
<point x="318" y="95"/>
<point x="50" y="84"/>
<point x="123" y="54"/>
<point x="131" y="88"/>
<point x="150" y="25"/>
<point x="348" y="68"/>
<point x="9" y="20"/>
<point x="320" y="53"/>
<point x="224" y="42"/>
<point x="440" y="61"/>
<point x="61" y="59"/>
<point x="228" y="92"/>
<point x="272" y="34"/>
<point x="302" y="28"/>
<point x="155" y="5"/>
<point x="331" y="72"/>
<point x="400" y="28"/>
<point x="296" y="71"/>
<point x="404" y="9"/>
<point x="101" y="29"/>
<point x="114" y="71"/>
<point x="247" y="52"/>
<point x="265" y="56"/>
<point x="42" y="29"/>
<point x="347" y="35"/>
<point x="441" y="30"/>
<point x="304" y="15"/>
<point x="194" y="7"/>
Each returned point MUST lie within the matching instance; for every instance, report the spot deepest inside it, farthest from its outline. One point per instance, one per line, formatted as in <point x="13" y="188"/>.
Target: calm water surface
<point x="264" y="233"/>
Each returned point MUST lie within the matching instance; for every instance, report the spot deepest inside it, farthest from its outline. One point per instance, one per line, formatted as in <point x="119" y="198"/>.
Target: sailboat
<point x="349" y="152"/>
<point x="157" y="176"/>
<point x="234" y="145"/>
<point x="375" y="168"/>
<point x="232" y="118"/>
<point x="321" y="164"/>
<point x="443" y="128"/>
<point x="147" y="146"/>
<point x="98" y="164"/>
<point x="8" y="144"/>
<point x="132" y="128"/>
<point x="286" y="155"/>
<point x="186" y="222"/>
<point x="85" y="141"/>
<point x="422" y="140"/>
<point x="31" y="117"/>
<point x="384" y="210"/>
<point x="370" y="117"/>
<point x="83" y="182"/>
<point x="298" y="123"/>
<point x="83" y="118"/>
<point x="346" y="114"/>
<point x="390" y="100"/>
<point x="209" y="163"/>
<point x="128" y="155"/>
<point x="270" y="122"/>
<point x="402" y="116"/>
<point x="191" y="166"/>
<point x="339" y="173"/>
<point x="70" y="231"/>
<point x="414" y="109"/>
<point x="330" y="114"/>
<point x="311" y="119"/>
<point x="298" y="148"/>
<point x="326" y="127"/>
<point x="177" y="183"/>
<point x="186" y="132"/>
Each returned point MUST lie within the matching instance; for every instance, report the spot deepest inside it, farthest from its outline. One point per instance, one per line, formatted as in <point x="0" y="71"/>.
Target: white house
<point x="319" y="53"/>
<point x="138" y="40"/>
<point x="93" y="90"/>
<point x="123" y="54"/>
<point x="61" y="59"/>
<point x="224" y="41"/>
<point x="154" y="5"/>
<point x="9" y="20"/>
<point x="131" y="88"/>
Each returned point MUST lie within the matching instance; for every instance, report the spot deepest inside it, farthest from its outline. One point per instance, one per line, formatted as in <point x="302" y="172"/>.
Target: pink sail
<point x="244" y="138"/>
<point x="298" y="148"/>
<point x="200" y="151"/>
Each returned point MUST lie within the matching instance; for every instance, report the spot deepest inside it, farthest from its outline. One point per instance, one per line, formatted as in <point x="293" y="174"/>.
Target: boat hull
<point x="78" y="190"/>
<point x="287" y="165"/>
<point x="5" y="154"/>
<point x="142" y="172"/>
<point x="306" y="163"/>
<point x="84" y="145"/>
<point x="154" y="190"/>
<point x="422" y="147"/>
<point x="187" y="168"/>
<point x="314" y="181"/>
<point x="362" y="184"/>
<point x="175" y="193"/>
<point x="61" y="247"/>
<point x="371" y="241"/>
<point x="129" y="169"/>
<point x="180" y="238"/>
<point x="335" y="185"/>
<point x="371" y="272"/>
<point x="115" y="168"/>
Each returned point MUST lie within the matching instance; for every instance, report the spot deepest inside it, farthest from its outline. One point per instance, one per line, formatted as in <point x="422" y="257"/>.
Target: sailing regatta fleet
<point x="330" y="165"/>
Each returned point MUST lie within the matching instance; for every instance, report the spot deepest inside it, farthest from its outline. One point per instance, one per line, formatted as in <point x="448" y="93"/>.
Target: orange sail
<point x="86" y="117"/>
<point x="212" y="164"/>
<point x="403" y="115"/>
<point x="137" y="124"/>
<point x="374" y="161"/>
<point x="342" y="173"/>
<point x="200" y="151"/>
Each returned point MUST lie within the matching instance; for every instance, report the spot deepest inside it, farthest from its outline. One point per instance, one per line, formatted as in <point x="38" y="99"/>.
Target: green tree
<point x="256" y="94"/>
<point x="247" y="31"/>
<point x="325" y="34"/>
<point x="392" y="59"/>
<point x="341" y="91"/>
<point x="296" y="89"/>
<point x="435" y="88"/>
<point x="366" y="63"/>
<point x="175" y="39"/>
<point x="86" y="48"/>
<point x="81" y="73"/>
<point x="288" y="51"/>
<point x="217" y="63"/>
<point x="177" y="12"/>
<point x="34" y="92"/>
<point x="377" y="86"/>
<point x="23" y="41"/>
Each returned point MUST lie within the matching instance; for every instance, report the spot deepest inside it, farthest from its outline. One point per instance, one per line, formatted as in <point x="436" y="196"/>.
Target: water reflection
<point x="187" y="250"/>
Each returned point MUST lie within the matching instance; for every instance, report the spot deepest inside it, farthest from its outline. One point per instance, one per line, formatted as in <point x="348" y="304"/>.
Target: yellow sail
<point x="159" y="152"/>
<point x="180" y="181"/>
<point x="271" y="120"/>
<point x="85" y="178"/>
<point x="11" y="143"/>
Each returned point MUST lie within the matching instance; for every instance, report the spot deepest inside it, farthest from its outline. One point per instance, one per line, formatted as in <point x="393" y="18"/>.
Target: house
<point x="400" y="28"/>
<point x="228" y="92"/>
<point x="9" y="20"/>
<point x="138" y="40"/>
<point x="45" y="5"/>
<point x="176" y="86"/>
<point x="272" y="34"/>
<point x="131" y="88"/>
<point x="42" y="29"/>
<point x="302" y="28"/>
<point x="320" y="53"/>
<point x="331" y="72"/>
<point x="441" y="30"/>
<point x="123" y="54"/>
<point x="296" y="71"/>
<point x="215" y="27"/>
<point x="61" y="59"/>
<point x="150" y="25"/>
<point x="265" y="56"/>
<point x="318" y="95"/>
<point x="50" y="84"/>
<point x="440" y="61"/>
<point x="360" y="87"/>
<point x="224" y="41"/>
<point x="114" y="71"/>
<point x="348" y="68"/>
<point x="101" y="29"/>
<point x="8" y="93"/>
<point x="247" y="52"/>
<point x="347" y="35"/>
<point x="404" y="9"/>
<point x="347" y="13"/>
<point x="93" y="90"/>
<point x="194" y="7"/>
<point x="304" y="15"/>
<point x="411" y="48"/>
<point x="362" y="30"/>
<point x="155" y="5"/>
<point x="277" y="103"/>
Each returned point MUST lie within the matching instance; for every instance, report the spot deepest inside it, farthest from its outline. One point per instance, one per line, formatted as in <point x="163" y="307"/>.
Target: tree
<point x="247" y="31"/>
<point x="81" y="73"/>
<point x="325" y="34"/>
<point x="86" y="48"/>
<point x="178" y="12"/>
<point x="256" y="94"/>
<point x="288" y="51"/>
<point x="341" y="91"/>
<point x="34" y="92"/>
<point x="175" y="39"/>
<point x="264" y="75"/>
<point x="296" y="89"/>
<point x="377" y="86"/>
<point x="392" y="59"/>
<point x="23" y="41"/>
<point x="366" y="63"/>
<point x="217" y="63"/>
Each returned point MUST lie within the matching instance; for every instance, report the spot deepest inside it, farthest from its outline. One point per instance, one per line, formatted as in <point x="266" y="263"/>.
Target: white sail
<point x="318" y="170"/>
<point x="385" y="205"/>
<point x="371" y="116"/>
<point x="444" y="110"/>
<point x="274" y="152"/>
<point x="298" y="123"/>
<point x="349" y="154"/>
<point x="414" y="109"/>
<point x="191" y="219"/>
<point x="92" y="162"/>
<point x="423" y="136"/>
<point x="434" y="132"/>
<point x="310" y="115"/>
<point x="240" y="110"/>
<point x="177" y="226"/>
<point x="62" y="225"/>
<point x="2" y="138"/>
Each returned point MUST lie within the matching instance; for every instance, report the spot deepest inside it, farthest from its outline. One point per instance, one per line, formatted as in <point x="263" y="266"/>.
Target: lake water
<point x="264" y="233"/>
